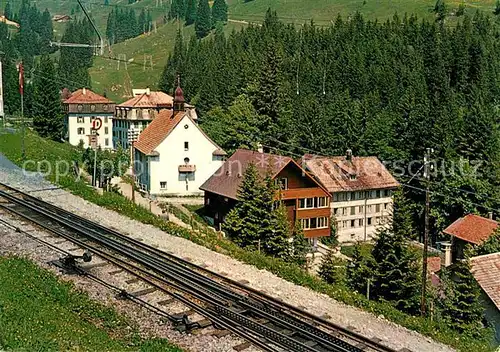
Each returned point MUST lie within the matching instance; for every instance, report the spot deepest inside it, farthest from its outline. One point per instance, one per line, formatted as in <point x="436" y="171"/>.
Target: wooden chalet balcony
<point x="296" y="193"/>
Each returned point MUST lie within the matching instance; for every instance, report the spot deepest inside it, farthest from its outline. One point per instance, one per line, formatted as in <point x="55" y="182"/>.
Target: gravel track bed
<point x="365" y="323"/>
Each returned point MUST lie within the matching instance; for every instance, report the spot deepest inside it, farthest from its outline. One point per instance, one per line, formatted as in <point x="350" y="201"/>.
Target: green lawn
<point x="38" y="312"/>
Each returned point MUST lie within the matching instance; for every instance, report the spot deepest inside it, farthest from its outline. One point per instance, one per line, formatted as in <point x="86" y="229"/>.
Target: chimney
<point x="490" y="215"/>
<point x="84" y="90"/>
<point x="348" y="155"/>
<point x="148" y="91"/>
<point x="446" y="248"/>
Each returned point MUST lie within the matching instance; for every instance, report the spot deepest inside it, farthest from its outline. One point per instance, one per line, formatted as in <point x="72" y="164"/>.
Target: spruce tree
<point x="48" y="119"/>
<point x="191" y="12"/>
<point x="360" y="270"/>
<point x="277" y="238"/>
<point x="461" y="306"/>
<point x="332" y="269"/>
<point x="203" y="23"/>
<point x="402" y="216"/>
<point x="300" y="245"/>
<point x="496" y="11"/>
<point x="243" y="223"/>
<point x="396" y="270"/>
<point x="219" y="11"/>
<point x="440" y="10"/>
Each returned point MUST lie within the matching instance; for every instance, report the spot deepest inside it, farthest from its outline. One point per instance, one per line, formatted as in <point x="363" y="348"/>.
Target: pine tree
<point x="397" y="270"/>
<point x="203" y="23"/>
<point x="360" y="270"/>
<point x="191" y="12"/>
<point x="46" y="32"/>
<point x="332" y="269"/>
<point x="277" y="238"/>
<point x="177" y="10"/>
<point x="219" y="11"/>
<point x="461" y="307"/>
<point x="141" y="22"/>
<point x="243" y="223"/>
<point x="47" y="121"/>
<point x="174" y="67"/>
<point x="497" y="8"/>
<point x="440" y="10"/>
<point x="8" y="11"/>
<point x="402" y="216"/>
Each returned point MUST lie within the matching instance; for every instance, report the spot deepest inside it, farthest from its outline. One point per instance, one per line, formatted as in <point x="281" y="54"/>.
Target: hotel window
<point x="353" y="195"/>
<point x="80" y="119"/>
<point x="377" y="208"/>
<point x="353" y="210"/>
<point x="313" y="223"/>
<point x="302" y="203"/>
<point x="81" y="130"/>
<point x="386" y="205"/>
<point x="360" y="210"/>
<point x="106" y="142"/>
<point x="360" y="222"/>
<point x="345" y="224"/>
<point x="322" y="222"/>
<point x="335" y="197"/>
<point x="309" y="202"/>
<point x="344" y="211"/>
<point x="163" y="185"/>
<point x="105" y="119"/>
<point x="281" y="182"/>
<point x="353" y="223"/>
<point x="186" y="146"/>
<point x="369" y="221"/>
<point x="305" y="223"/>
<point x="378" y="193"/>
<point x="106" y="130"/>
<point x="322" y="202"/>
<point x="92" y="107"/>
<point x="368" y="209"/>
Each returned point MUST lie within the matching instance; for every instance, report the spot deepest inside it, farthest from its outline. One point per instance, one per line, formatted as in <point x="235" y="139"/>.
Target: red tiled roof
<point x="486" y="271"/>
<point x="472" y="228"/>
<point x="89" y="97"/>
<point x="433" y="264"/>
<point x="151" y="100"/>
<point x="338" y="174"/>
<point x="160" y="128"/>
<point x="226" y="180"/>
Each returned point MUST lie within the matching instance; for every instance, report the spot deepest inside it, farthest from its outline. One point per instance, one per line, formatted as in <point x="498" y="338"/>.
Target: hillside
<point x="119" y="78"/>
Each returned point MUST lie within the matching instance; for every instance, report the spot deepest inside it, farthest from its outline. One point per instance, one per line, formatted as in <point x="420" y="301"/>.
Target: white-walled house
<point x="173" y="156"/>
<point x="361" y="189"/>
<point x="82" y="107"/>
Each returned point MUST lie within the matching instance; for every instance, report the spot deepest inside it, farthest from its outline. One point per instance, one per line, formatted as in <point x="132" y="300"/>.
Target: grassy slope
<point x="118" y="81"/>
<point x="323" y="11"/>
<point x="40" y="313"/>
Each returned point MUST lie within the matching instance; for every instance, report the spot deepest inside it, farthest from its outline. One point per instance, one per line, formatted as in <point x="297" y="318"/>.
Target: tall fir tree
<point x="203" y="24"/>
<point x="48" y="119"/>
<point x="219" y="11"/>
<point x="277" y="239"/>
<point x="299" y="245"/>
<point x="332" y="269"/>
<point x="191" y="12"/>
<point x="360" y="271"/>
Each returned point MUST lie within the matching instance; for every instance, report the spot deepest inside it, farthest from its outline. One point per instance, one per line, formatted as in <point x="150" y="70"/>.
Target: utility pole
<point x="2" y="112"/>
<point x="132" y="135"/>
<point x="21" y="91"/>
<point x="427" y="177"/>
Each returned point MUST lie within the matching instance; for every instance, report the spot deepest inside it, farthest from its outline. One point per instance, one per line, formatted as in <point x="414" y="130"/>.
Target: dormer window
<point x="352" y="176"/>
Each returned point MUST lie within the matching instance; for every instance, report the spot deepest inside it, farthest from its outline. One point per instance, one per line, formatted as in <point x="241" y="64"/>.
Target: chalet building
<point x="173" y="156"/>
<point x="82" y="107"/>
<point x="304" y="197"/>
<point x="471" y="229"/>
<point x="361" y="191"/>
<point x="486" y="271"/>
<point x="139" y="111"/>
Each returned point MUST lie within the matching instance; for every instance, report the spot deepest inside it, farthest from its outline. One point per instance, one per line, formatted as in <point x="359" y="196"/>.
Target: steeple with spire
<point x="179" y="97"/>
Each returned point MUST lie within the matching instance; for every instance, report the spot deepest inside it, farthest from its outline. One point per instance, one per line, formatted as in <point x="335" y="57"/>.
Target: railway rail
<point x="262" y="320"/>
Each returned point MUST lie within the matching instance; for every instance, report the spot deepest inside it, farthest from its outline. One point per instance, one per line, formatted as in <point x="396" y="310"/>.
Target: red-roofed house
<point x="361" y="189"/>
<point x="471" y="229"/>
<point x="173" y="155"/>
<point x="486" y="271"/>
<point x="82" y="107"/>
<point x="304" y="197"/>
<point x="139" y="111"/>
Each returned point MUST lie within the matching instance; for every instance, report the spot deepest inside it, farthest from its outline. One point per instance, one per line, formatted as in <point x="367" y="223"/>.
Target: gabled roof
<point x="86" y="96"/>
<point x="159" y="129"/>
<point x="338" y="174"/>
<point x="226" y="180"/>
<point x="486" y="271"/>
<point x="472" y="228"/>
<point x="151" y="100"/>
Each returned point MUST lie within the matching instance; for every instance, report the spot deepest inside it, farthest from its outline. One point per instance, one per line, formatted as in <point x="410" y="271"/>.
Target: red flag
<point x="21" y="79"/>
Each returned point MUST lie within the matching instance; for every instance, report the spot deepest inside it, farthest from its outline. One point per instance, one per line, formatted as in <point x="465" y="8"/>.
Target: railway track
<point x="258" y="318"/>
